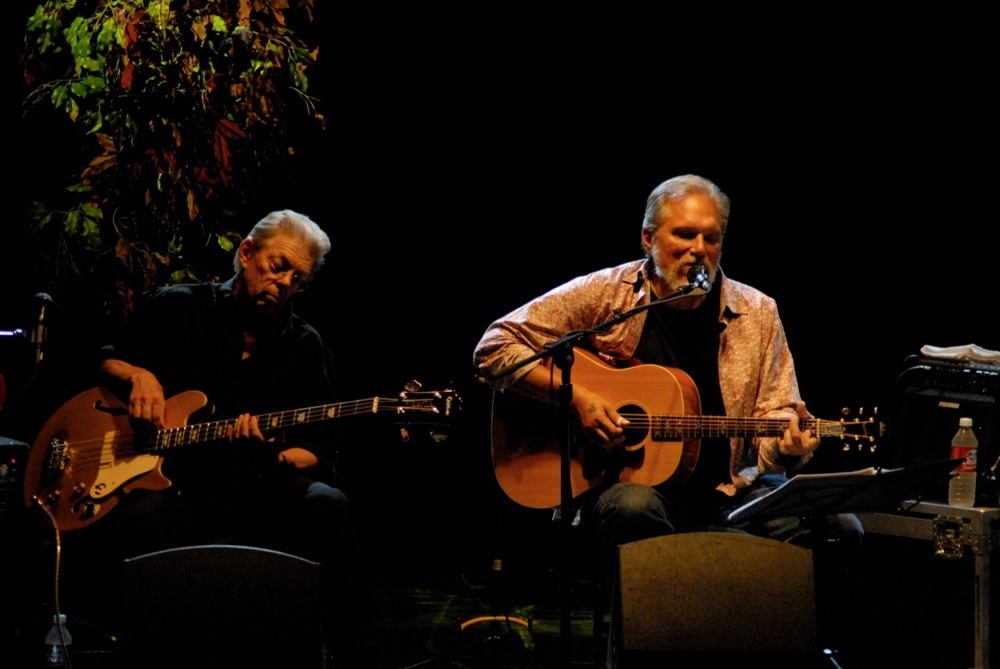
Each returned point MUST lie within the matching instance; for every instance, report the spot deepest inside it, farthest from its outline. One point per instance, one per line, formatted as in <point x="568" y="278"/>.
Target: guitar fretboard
<point x="216" y="430"/>
<point x="673" y="428"/>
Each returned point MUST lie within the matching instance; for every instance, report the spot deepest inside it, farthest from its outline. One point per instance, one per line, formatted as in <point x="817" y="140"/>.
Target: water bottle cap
<point x="965" y="422"/>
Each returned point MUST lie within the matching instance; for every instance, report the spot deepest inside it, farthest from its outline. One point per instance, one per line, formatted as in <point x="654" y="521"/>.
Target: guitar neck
<point x="201" y="433"/>
<point x="672" y="428"/>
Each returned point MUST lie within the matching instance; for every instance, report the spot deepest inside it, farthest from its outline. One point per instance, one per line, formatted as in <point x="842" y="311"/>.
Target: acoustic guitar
<point x="87" y="454"/>
<point x="661" y="443"/>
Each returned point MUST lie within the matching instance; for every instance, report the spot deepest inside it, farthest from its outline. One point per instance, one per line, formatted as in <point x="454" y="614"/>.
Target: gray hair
<point x="286" y="221"/>
<point x="681" y="186"/>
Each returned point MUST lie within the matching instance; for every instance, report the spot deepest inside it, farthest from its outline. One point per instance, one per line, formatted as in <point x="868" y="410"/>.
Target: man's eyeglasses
<point x="281" y="267"/>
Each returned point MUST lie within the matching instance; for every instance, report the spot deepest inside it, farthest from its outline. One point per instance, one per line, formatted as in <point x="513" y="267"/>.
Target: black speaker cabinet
<point x="928" y="399"/>
<point x="676" y="597"/>
<point x="220" y="606"/>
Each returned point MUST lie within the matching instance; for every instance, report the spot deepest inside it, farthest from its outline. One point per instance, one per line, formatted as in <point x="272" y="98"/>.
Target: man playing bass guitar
<point x="240" y="343"/>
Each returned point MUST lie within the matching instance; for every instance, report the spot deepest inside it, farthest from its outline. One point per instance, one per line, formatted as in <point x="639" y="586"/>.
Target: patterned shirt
<point x="756" y="371"/>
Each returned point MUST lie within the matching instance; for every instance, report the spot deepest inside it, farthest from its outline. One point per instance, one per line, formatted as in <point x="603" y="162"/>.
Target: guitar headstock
<point x="435" y="408"/>
<point x="859" y="432"/>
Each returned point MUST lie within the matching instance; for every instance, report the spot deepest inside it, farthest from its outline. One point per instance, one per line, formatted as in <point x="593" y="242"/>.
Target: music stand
<point x="871" y="489"/>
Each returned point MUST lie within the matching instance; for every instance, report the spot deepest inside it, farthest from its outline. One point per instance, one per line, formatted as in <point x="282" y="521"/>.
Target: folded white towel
<point x="967" y="352"/>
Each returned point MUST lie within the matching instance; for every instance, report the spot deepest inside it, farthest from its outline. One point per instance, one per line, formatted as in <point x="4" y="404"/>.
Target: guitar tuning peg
<point x="413" y="386"/>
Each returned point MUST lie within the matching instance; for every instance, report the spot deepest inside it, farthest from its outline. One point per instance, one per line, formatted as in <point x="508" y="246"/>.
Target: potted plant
<point x="172" y="118"/>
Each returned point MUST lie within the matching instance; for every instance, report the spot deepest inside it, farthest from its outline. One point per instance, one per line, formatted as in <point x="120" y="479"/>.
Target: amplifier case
<point x="924" y="593"/>
<point x="929" y="397"/>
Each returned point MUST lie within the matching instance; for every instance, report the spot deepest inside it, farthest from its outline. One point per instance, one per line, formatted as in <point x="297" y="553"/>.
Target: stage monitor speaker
<point x="928" y="399"/>
<point x="678" y="593"/>
<point x="220" y="606"/>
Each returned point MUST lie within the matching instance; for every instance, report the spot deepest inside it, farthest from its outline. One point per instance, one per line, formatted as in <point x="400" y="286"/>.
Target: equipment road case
<point x="928" y="566"/>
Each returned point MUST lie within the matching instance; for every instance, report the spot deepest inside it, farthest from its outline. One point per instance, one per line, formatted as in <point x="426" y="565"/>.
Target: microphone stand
<point x="17" y="333"/>
<point x="561" y="353"/>
<point x="37" y="337"/>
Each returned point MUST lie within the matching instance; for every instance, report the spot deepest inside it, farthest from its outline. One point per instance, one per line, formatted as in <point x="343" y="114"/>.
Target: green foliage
<point x="180" y="114"/>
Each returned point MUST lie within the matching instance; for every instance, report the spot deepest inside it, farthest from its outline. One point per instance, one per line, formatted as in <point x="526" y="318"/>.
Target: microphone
<point x="698" y="277"/>
<point x="39" y="335"/>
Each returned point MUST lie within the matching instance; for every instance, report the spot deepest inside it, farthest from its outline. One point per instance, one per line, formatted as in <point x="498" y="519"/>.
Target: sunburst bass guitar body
<point x="88" y="454"/>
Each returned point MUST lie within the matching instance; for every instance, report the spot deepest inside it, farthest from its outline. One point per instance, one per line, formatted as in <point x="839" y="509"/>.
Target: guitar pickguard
<point x="115" y="472"/>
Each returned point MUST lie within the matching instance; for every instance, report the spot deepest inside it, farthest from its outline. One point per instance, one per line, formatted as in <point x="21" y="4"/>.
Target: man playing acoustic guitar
<point x="729" y="366"/>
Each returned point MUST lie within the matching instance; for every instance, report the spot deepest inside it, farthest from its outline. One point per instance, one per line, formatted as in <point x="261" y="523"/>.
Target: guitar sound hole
<point x="638" y="431"/>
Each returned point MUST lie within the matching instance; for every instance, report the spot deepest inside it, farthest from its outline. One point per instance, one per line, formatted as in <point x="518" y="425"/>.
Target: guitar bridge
<point x="58" y="457"/>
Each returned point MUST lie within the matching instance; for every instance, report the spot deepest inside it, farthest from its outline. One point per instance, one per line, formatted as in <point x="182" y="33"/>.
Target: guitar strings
<point x="87" y="452"/>
<point x="721" y="426"/>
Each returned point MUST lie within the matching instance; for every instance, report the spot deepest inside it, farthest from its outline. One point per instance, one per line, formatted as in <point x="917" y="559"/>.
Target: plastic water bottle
<point x="54" y="640"/>
<point x="962" y="486"/>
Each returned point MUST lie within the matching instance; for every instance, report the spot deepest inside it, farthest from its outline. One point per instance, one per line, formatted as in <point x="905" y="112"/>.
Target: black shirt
<point x="689" y="341"/>
<point x="191" y="337"/>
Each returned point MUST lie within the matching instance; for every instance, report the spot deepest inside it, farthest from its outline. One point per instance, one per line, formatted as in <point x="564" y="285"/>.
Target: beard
<point x="673" y="273"/>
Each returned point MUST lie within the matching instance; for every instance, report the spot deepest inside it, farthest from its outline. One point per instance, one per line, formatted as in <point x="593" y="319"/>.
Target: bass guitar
<point x="87" y="454"/>
<point x="662" y="440"/>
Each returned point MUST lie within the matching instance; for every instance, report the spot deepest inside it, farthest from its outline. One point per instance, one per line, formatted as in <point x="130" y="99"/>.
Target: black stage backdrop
<point x="457" y="181"/>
